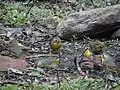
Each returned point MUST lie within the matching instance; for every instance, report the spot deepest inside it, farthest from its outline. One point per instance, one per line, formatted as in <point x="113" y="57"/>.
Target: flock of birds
<point x="94" y="55"/>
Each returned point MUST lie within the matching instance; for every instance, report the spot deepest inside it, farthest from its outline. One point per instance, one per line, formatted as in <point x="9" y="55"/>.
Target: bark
<point x="95" y="23"/>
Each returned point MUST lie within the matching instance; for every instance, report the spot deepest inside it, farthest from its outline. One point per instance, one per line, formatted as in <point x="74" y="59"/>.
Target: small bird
<point x="93" y="55"/>
<point x="97" y="47"/>
<point x="110" y="64"/>
<point x="48" y="63"/>
<point x="86" y="52"/>
<point x="55" y="44"/>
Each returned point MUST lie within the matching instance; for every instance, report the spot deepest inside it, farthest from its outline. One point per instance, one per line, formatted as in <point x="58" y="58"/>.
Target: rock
<point x="96" y="23"/>
<point x="15" y="48"/>
<point x="5" y="53"/>
<point x="7" y="62"/>
<point x="11" y="32"/>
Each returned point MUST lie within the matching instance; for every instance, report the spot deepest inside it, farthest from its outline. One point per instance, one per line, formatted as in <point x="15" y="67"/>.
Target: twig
<point x="31" y="83"/>
<point x="80" y="70"/>
<point x="29" y="10"/>
<point x="68" y="82"/>
<point x="117" y="2"/>
<point x="30" y="7"/>
<point x="42" y="55"/>
<point x="62" y="70"/>
<point x="14" y="82"/>
<point x="29" y="1"/>
<point x="58" y="79"/>
<point x="113" y="88"/>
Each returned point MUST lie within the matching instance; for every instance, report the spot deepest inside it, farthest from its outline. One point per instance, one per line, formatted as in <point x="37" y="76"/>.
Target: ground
<point x="35" y="38"/>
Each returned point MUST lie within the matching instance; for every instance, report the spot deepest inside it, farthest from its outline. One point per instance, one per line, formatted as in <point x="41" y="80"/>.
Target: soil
<point x="36" y="41"/>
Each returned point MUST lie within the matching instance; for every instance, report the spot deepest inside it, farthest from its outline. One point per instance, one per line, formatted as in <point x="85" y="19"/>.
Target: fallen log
<point x="95" y="23"/>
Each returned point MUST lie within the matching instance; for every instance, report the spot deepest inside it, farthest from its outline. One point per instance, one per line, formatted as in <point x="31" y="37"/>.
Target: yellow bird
<point x="87" y="52"/>
<point x="55" y="43"/>
<point x="102" y="58"/>
<point x="97" y="47"/>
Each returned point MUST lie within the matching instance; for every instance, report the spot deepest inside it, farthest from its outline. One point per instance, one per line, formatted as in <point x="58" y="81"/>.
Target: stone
<point x="15" y="48"/>
<point x="11" y="32"/>
<point x="95" y="23"/>
<point x="8" y="62"/>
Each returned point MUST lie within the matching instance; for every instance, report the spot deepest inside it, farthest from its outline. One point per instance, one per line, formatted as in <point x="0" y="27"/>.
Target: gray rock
<point x="95" y="23"/>
<point x="11" y="32"/>
<point x="15" y="48"/>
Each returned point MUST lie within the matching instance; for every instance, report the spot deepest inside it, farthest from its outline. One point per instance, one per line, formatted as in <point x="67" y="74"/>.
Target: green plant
<point x="13" y="14"/>
<point x="44" y="15"/>
<point x="91" y="4"/>
<point x="83" y="84"/>
<point x="15" y="17"/>
<point x="9" y="87"/>
<point x="74" y="84"/>
<point x="40" y="14"/>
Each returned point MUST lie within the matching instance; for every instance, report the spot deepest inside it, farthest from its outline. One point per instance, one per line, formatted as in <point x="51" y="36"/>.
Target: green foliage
<point x="46" y="12"/>
<point x="41" y="14"/>
<point x="16" y="14"/>
<point x="44" y="15"/>
<point x="91" y="4"/>
<point x="13" y="14"/>
<point x="53" y="13"/>
<point x="83" y="84"/>
<point x="9" y="87"/>
<point x="75" y="84"/>
<point x="36" y="72"/>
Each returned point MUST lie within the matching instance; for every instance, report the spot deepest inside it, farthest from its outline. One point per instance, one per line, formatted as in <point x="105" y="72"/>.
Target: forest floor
<point x="35" y="37"/>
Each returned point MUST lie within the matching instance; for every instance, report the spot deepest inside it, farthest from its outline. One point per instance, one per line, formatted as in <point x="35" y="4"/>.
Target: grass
<point x="75" y="84"/>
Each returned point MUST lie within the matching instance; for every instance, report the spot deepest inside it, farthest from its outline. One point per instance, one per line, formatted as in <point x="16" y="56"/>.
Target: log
<point x="95" y="23"/>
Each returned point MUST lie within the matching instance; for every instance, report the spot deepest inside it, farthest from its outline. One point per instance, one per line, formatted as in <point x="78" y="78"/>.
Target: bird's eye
<point x="101" y="46"/>
<point x="56" y="41"/>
